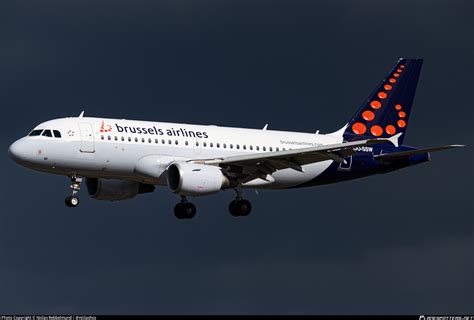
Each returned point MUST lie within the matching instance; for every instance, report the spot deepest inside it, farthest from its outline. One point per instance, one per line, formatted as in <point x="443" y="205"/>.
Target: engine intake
<point x="189" y="179"/>
<point x="111" y="189"/>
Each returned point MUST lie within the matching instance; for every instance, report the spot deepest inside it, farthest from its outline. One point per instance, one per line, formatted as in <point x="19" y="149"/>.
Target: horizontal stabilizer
<point x="403" y="154"/>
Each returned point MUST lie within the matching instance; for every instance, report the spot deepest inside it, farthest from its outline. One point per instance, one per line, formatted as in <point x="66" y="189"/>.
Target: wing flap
<point x="404" y="154"/>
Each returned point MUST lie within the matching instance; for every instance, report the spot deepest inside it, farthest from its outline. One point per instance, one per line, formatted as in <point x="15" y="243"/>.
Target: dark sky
<point x="396" y="243"/>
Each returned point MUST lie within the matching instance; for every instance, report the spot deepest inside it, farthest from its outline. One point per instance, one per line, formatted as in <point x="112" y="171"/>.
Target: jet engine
<point x="112" y="189"/>
<point x="189" y="179"/>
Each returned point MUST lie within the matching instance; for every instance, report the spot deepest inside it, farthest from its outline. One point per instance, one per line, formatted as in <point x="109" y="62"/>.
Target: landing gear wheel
<point x="234" y="208"/>
<point x="245" y="207"/>
<point x="240" y="208"/>
<point x="71" y="201"/>
<point x="185" y="210"/>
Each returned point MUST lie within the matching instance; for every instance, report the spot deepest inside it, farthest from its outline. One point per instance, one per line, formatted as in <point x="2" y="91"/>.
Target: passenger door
<point x="87" y="138"/>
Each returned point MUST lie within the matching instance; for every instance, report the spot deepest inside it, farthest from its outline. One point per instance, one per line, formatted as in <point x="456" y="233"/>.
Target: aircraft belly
<point x="289" y="177"/>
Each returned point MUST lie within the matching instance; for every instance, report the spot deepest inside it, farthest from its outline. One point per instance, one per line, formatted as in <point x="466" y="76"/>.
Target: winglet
<point x="82" y="114"/>
<point x="265" y="128"/>
<point x="394" y="139"/>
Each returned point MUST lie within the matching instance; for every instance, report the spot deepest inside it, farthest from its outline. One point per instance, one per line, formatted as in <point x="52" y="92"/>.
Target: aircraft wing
<point x="408" y="153"/>
<point x="259" y="165"/>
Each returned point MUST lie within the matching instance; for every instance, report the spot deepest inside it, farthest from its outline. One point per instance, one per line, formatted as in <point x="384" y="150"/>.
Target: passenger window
<point x="258" y="148"/>
<point x="197" y="144"/>
<point x="211" y="145"/>
<point x="186" y="142"/>
<point x="251" y="147"/>
<point x="245" y="147"/>
<point x="143" y="140"/>
<point x="136" y="139"/>
<point x="122" y="138"/>
<point x="109" y="138"/>
<point x="115" y="138"/>
<point x="238" y="147"/>
<point x="169" y="141"/>
<point x="278" y="149"/>
<point x="225" y="146"/>
<point x="101" y="137"/>
<point x="231" y="146"/>
<point x="176" y="142"/>
<point x="129" y="139"/>
<point x="264" y="148"/>
<point x="218" y="145"/>
<point x="204" y="144"/>
<point x="57" y="134"/>
<point x="156" y="141"/>
<point x="47" y="133"/>
<point x="163" y="141"/>
<point x="271" y="149"/>
<point x="35" y="133"/>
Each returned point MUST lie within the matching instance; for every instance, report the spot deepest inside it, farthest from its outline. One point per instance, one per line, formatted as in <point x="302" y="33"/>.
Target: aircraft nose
<point x="18" y="151"/>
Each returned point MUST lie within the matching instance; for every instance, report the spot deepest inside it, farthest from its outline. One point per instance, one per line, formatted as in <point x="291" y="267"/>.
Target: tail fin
<point x="386" y="111"/>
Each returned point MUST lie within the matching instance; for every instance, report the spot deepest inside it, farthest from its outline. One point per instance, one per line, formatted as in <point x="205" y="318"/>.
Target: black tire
<point x="245" y="207"/>
<point x="189" y="210"/>
<point x="179" y="210"/>
<point x="234" y="208"/>
<point x="71" y="201"/>
<point x="67" y="201"/>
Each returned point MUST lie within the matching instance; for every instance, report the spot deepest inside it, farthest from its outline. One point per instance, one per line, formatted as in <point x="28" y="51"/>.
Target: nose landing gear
<point x="73" y="201"/>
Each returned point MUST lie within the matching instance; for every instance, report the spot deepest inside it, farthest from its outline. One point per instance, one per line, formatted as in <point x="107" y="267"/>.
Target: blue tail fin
<point x="387" y="109"/>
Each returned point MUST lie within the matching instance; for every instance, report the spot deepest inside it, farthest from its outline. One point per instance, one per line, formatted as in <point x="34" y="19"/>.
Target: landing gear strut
<point x="184" y="209"/>
<point x="239" y="206"/>
<point x="73" y="201"/>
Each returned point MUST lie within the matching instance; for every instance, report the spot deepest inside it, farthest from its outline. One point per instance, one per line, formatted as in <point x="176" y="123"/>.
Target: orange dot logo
<point x="399" y="70"/>
<point x="402" y="114"/>
<point x="396" y="75"/>
<point x="375" y="104"/>
<point x="104" y="127"/>
<point x="368" y="115"/>
<point x="402" y="66"/>
<point x="401" y="123"/>
<point x="398" y="107"/>
<point x="376" y="130"/>
<point x="392" y="80"/>
<point x="359" y="128"/>
<point x="387" y="87"/>
<point x="382" y="95"/>
<point x="390" y="130"/>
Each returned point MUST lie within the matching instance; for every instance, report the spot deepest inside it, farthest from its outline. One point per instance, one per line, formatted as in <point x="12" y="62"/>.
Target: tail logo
<point x="105" y="127"/>
<point x="369" y="115"/>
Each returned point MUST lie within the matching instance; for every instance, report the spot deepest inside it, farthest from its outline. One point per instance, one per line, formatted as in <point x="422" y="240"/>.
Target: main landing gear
<point x="73" y="201"/>
<point x="240" y="207"/>
<point x="184" y="209"/>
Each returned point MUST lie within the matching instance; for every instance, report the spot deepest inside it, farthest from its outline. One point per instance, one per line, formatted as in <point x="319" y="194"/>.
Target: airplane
<point x="120" y="158"/>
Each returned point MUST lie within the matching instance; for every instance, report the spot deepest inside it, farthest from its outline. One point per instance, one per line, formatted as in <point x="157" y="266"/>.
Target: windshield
<point x="35" y="133"/>
<point x="47" y="133"/>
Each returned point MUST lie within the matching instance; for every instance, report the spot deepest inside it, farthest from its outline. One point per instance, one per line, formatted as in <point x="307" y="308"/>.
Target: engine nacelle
<point x="189" y="179"/>
<point x="111" y="189"/>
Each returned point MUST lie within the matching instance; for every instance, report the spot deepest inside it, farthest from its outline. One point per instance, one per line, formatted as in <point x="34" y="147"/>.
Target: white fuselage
<point x="113" y="148"/>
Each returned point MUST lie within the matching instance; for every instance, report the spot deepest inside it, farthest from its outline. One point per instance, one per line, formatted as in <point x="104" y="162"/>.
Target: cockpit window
<point x="57" y="134"/>
<point x="35" y="133"/>
<point x="47" y="133"/>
